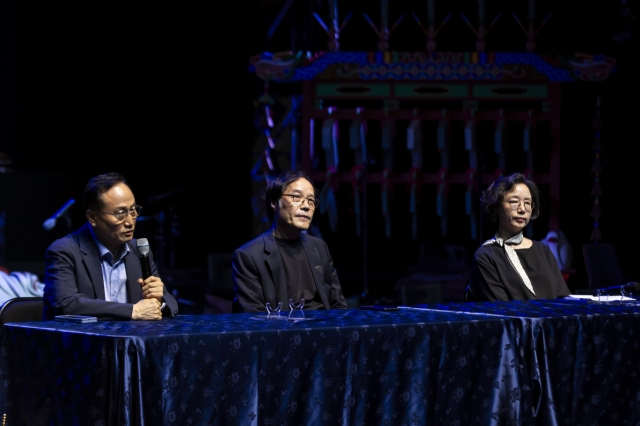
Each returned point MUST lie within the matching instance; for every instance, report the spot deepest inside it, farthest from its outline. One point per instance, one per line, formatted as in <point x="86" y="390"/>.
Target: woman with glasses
<point x="510" y="266"/>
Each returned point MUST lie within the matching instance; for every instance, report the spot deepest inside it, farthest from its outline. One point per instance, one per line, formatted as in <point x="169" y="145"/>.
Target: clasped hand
<point x="149" y="307"/>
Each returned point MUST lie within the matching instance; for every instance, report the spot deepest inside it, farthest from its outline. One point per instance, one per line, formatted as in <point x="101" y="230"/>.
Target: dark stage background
<point x="162" y="93"/>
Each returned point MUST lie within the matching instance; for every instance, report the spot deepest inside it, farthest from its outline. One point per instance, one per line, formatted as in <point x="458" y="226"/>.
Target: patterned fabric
<point x="19" y="284"/>
<point x="547" y="362"/>
<point x="512" y="256"/>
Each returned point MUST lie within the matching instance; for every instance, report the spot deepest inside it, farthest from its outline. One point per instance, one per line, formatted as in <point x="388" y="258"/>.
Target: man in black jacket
<point x="285" y="263"/>
<point x="95" y="270"/>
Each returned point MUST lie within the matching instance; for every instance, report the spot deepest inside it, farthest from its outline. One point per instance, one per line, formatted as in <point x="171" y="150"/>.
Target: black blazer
<point x="74" y="285"/>
<point x="258" y="274"/>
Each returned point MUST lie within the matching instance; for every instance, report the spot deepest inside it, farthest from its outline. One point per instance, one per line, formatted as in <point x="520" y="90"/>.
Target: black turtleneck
<point x="298" y="275"/>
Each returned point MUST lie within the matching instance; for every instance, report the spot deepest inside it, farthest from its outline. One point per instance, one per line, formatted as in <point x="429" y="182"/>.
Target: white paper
<point x="600" y="298"/>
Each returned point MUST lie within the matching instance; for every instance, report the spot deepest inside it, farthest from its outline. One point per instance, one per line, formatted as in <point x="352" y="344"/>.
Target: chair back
<point x="601" y="262"/>
<point x="421" y="294"/>
<point x="21" y="309"/>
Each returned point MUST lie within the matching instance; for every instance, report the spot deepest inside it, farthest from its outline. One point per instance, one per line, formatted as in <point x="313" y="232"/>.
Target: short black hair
<point x="276" y="187"/>
<point x="98" y="185"/>
<point x="494" y="195"/>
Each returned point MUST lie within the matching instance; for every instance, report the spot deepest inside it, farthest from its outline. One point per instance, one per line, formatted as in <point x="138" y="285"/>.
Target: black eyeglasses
<point x="297" y="200"/>
<point x="121" y="215"/>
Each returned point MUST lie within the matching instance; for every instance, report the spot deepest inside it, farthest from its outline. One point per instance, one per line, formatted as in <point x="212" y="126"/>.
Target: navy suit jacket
<point x="258" y="274"/>
<point x="74" y="284"/>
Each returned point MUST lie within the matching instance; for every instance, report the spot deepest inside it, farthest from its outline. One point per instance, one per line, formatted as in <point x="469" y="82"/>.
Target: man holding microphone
<point x="96" y="271"/>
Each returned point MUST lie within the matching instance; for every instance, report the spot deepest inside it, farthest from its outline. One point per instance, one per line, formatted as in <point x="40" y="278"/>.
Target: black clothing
<point x="494" y="278"/>
<point x="259" y="277"/>
<point x="297" y="273"/>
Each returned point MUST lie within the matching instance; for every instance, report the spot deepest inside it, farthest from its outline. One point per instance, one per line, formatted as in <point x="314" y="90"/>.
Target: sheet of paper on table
<point x="601" y="298"/>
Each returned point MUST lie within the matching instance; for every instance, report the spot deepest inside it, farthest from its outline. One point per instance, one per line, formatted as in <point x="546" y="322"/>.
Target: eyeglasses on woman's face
<point x="515" y="205"/>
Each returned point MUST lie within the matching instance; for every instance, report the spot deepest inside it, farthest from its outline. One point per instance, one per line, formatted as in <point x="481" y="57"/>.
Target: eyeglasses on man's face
<point x="515" y="204"/>
<point x="297" y="200"/>
<point x="122" y="214"/>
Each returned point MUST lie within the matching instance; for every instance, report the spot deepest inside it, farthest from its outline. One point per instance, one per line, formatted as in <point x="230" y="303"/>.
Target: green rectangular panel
<point x="539" y="91"/>
<point x="350" y="90"/>
<point x="431" y="90"/>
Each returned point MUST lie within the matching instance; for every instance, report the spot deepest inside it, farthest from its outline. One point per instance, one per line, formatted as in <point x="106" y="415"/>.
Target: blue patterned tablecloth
<point x="521" y="363"/>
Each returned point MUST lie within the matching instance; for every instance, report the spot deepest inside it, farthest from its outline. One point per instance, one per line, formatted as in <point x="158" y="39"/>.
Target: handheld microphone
<point x="50" y="223"/>
<point x="617" y="289"/>
<point x="143" y="253"/>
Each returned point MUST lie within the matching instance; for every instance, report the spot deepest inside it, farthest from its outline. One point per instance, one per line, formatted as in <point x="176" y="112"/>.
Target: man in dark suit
<point x="96" y="270"/>
<point x="285" y="263"/>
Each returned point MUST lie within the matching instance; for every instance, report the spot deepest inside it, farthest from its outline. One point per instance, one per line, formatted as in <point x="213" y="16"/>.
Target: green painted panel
<point x="432" y="90"/>
<point x="510" y="91"/>
<point x="350" y="90"/>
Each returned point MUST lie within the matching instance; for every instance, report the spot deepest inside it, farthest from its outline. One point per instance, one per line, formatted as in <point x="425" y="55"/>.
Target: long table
<point x="557" y="362"/>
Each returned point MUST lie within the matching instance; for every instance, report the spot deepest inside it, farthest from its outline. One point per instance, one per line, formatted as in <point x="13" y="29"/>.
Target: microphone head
<point x="49" y="224"/>
<point x="143" y="247"/>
